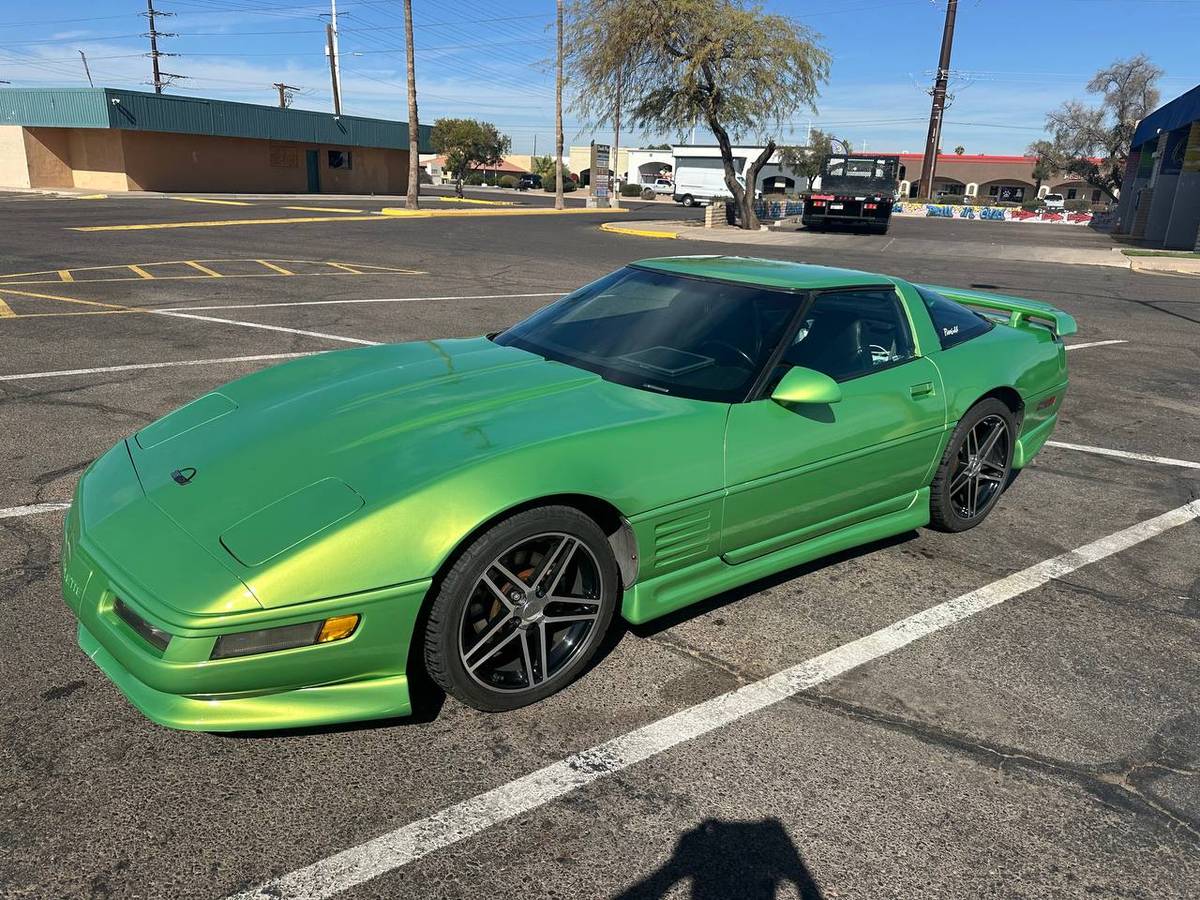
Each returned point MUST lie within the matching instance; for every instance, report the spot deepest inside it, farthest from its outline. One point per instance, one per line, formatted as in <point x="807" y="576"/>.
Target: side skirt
<point x="648" y="600"/>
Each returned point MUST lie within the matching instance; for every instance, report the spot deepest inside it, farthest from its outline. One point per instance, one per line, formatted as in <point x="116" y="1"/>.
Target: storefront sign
<point x="600" y="156"/>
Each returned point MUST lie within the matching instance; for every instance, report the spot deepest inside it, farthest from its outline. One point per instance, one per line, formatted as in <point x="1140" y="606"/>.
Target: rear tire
<point x="523" y="609"/>
<point x="688" y="200"/>
<point x="974" y="468"/>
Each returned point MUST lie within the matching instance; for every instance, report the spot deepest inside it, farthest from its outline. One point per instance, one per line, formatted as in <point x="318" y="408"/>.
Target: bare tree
<point x="413" y="200"/>
<point x="806" y="162"/>
<point x="1093" y="141"/>
<point x="721" y="62"/>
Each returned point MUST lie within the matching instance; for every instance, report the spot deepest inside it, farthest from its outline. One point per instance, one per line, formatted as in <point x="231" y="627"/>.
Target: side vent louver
<point x="682" y="539"/>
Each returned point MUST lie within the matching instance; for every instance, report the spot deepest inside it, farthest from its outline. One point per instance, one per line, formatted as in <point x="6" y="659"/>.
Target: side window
<point x="846" y="334"/>
<point x="953" y="322"/>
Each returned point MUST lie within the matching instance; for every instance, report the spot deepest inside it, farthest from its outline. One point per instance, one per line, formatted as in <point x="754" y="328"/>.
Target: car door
<point x="792" y="470"/>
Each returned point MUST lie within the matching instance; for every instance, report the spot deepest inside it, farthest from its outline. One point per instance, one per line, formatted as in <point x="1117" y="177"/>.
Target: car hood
<point x="267" y="466"/>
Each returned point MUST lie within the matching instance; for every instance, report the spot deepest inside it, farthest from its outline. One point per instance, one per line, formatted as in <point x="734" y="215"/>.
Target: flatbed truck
<point x="857" y="191"/>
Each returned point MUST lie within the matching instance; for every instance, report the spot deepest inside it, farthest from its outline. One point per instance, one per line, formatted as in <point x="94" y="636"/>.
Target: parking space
<point x="1028" y="729"/>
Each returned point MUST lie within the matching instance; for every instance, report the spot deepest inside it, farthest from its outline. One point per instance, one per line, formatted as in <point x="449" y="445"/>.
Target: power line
<point x="161" y="79"/>
<point x="286" y="93"/>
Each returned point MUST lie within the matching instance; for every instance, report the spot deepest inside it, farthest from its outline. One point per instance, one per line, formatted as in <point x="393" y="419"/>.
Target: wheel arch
<point x="1010" y="397"/>
<point x="610" y="519"/>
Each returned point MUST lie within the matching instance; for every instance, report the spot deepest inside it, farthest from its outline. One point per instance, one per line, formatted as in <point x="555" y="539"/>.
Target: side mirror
<point x="801" y="385"/>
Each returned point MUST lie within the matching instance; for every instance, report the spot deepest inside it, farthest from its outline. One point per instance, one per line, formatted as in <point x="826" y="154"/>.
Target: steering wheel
<point x="733" y="349"/>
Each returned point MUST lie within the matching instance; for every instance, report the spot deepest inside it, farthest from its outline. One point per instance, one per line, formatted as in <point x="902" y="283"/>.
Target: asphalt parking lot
<point x="1046" y="745"/>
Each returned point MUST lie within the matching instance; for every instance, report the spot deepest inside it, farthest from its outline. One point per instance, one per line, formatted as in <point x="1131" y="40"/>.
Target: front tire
<point x="688" y="200"/>
<point x="974" y="468"/>
<point x="522" y="610"/>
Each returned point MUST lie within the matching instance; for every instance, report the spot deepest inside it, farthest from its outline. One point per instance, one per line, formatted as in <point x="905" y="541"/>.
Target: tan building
<point x="1000" y="178"/>
<point x="579" y="161"/>
<point x="117" y="140"/>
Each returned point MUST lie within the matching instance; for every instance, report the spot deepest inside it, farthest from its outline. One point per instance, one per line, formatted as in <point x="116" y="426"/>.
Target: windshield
<point x="690" y="337"/>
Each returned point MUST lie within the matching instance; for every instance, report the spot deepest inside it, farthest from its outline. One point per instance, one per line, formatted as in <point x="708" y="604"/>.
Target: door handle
<point x="925" y="388"/>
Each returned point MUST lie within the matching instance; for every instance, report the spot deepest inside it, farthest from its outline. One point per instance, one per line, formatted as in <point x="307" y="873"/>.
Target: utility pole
<point x="285" y="93"/>
<point x="558" y="128"/>
<point x="86" y="70"/>
<point x="413" y="198"/>
<point x="160" y="78"/>
<point x="335" y="56"/>
<point x="929" y="163"/>
<point x="333" y="74"/>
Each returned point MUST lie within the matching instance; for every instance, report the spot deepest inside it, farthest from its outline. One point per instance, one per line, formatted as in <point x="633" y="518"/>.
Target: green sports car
<point x="287" y="550"/>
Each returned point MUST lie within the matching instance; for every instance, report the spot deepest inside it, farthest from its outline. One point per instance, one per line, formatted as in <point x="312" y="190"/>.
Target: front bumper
<point x="359" y="677"/>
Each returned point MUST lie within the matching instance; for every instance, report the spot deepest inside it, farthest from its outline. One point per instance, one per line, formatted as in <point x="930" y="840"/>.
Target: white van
<point x="701" y="179"/>
<point x="1054" y="201"/>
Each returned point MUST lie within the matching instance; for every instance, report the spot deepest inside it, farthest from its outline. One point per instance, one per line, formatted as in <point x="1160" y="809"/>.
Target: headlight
<point x="286" y="637"/>
<point x="152" y="635"/>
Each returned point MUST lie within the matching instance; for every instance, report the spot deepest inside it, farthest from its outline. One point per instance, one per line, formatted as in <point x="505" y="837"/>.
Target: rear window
<point x="954" y="322"/>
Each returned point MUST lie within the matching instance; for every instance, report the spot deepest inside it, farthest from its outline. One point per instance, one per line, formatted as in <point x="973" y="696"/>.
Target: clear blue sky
<point x="1014" y="59"/>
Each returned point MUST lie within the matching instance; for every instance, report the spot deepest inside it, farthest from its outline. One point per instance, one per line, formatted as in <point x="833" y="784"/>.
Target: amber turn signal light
<point x="336" y="628"/>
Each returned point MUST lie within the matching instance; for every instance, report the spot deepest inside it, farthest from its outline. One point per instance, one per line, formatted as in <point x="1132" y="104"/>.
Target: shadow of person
<point x="728" y="860"/>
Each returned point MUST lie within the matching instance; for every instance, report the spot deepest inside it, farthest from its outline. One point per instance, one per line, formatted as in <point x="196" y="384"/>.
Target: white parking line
<point x="1094" y="344"/>
<point x="265" y="327"/>
<point x="379" y="300"/>
<point x="32" y="509"/>
<point x="1126" y="454"/>
<point x="410" y="842"/>
<point x="157" y="365"/>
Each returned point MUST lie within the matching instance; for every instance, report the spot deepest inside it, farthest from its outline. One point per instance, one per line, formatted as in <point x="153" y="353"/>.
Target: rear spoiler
<point x="1018" y="309"/>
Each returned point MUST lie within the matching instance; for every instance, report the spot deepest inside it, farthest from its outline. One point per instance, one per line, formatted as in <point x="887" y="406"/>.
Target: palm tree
<point x="413" y="200"/>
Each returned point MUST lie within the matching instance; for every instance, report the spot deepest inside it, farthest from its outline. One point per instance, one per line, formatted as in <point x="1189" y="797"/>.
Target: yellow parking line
<point x="114" y="306"/>
<point x="207" y="200"/>
<point x="388" y="214"/>
<point x="345" y="268"/>
<point x="402" y="213"/>
<point x="139" y="272"/>
<point x="321" y="209"/>
<point x="91" y="197"/>
<point x="293" y="220"/>
<point x="205" y="269"/>
<point x="280" y="269"/>
<point x="6" y="311"/>
<point x="88" y="312"/>
<point x="65" y="275"/>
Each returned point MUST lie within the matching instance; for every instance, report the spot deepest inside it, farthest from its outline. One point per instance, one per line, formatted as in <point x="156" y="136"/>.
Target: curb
<point x="402" y="213"/>
<point x="469" y="200"/>
<point x="614" y="228"/>
<point x="1164" y="265"/>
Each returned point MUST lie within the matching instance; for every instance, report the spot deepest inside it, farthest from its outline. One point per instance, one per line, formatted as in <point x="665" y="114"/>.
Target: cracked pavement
<point x="1048" y="747"/>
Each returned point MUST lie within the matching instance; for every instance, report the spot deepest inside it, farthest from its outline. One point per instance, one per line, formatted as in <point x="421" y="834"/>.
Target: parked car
<point x="529" y="181"/>
<point x="659" y="185"/>
<point x="1054" y="201"/>
<point x="287" y="549"/>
